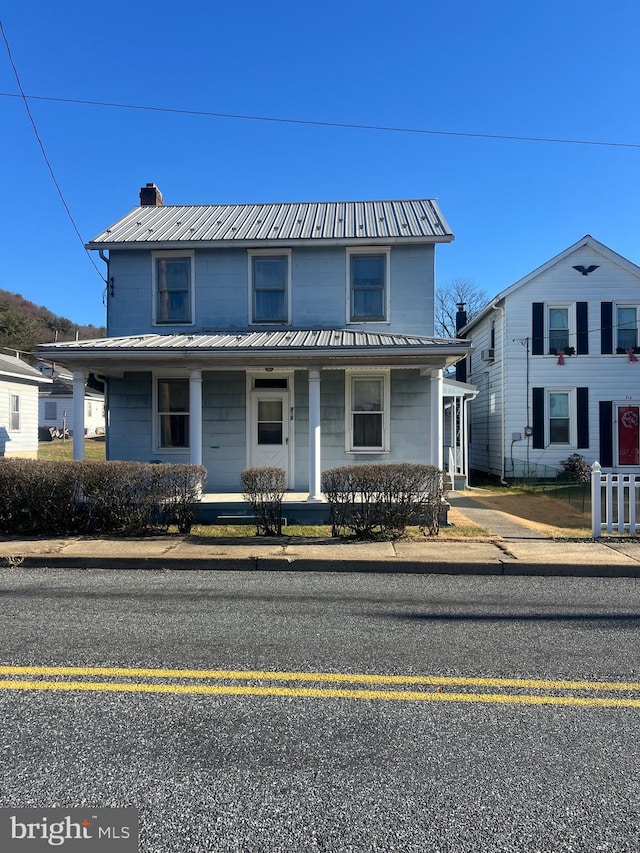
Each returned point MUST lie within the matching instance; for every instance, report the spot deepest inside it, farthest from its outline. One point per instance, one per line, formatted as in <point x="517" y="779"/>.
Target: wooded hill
<point x="23" y="325"/>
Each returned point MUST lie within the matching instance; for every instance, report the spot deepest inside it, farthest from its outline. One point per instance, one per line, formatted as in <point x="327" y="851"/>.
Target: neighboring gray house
<point x="55" y="404"/>
<point x="555" y="361"/>
<point x="298" y="335"/>
<point x="19" y="383"/>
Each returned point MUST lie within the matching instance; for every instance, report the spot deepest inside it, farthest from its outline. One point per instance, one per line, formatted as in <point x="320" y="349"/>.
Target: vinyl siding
<point x="608" y="377"/>
<point x="318" y="298"/>
<point x="23" y="442"/>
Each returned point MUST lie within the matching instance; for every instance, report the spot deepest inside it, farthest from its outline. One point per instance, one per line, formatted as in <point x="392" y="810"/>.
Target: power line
<point x="317" y="123"/>
<point x="44" y="153"/>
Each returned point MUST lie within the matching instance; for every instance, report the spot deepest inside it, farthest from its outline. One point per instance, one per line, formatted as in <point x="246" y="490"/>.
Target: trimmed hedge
<point x="127" y="498"/>
<point x="374" y="500"/>
<point x="263" y="490"/>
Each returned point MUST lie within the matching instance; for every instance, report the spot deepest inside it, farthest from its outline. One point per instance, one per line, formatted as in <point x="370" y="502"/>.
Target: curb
<point x="502" y="568"/>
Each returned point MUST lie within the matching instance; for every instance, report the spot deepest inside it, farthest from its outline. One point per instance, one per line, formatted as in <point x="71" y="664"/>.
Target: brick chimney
<point x="150" y="196"/>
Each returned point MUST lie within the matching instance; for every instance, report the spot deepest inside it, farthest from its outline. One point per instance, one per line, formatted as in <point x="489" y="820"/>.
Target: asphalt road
<point x="246" y="758"/>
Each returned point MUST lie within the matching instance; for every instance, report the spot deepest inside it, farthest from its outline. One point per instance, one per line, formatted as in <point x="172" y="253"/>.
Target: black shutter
<point x="606" y="327"/>
<point x="582" y="405"/>
<point x="606" y="433"/>
<point x="537" y="328"/>
<point x="582" y="328"/>
<point x="537" y="402"/>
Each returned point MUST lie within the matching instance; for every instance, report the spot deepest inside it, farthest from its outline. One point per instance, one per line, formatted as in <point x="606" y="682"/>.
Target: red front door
<point x="628" y="435"/>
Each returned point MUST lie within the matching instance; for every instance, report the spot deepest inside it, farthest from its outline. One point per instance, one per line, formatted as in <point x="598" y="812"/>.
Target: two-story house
<point x="293" y="335"/>
<point x="556" y="367"/>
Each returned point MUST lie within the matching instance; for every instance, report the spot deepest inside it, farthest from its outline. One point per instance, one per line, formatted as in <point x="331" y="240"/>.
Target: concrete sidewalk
<point x="179" y="553"/>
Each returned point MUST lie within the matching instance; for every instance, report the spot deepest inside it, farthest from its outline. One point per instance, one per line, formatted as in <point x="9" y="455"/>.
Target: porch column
<point x="436" y="418"/>
<point x="315" y="465"/>
<point x="195" y="417"/>
<point x="78" y="414"/>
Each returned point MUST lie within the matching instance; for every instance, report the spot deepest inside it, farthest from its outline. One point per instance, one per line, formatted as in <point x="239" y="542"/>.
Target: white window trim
<point x="370" y="250"/>
<point x="155" y="426"/>
<point x="12" y="412"/>
<point x="573" y="426"/>
<point x="385" y="376"/>
<point x="624" y="304"/>
<point x="179" y="253"/>
<point x="265" y="253"/>
<point x="571" y="314"/>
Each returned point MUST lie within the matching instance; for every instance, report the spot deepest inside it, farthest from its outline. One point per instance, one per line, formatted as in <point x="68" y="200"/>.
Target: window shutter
<point x="537" y="399"/>
<point x="606" y="327"/>
<point x="582" y="328"/>
<point x="606" y="433"/>
<point x="582" y="405"/>
<point x="537" y="328"/>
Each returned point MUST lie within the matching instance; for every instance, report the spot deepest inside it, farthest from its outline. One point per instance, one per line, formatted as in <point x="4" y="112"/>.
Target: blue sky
<point x="554" y="68"/>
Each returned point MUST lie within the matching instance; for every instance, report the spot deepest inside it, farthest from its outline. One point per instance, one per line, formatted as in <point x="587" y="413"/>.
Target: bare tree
<point x="448" y="297"/>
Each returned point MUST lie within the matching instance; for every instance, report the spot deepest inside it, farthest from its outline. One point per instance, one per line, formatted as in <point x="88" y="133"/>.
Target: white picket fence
<point x="614" y="502"/>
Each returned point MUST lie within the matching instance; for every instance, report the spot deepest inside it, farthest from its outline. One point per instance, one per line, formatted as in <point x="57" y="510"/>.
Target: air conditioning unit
<point x="487" y="354"/>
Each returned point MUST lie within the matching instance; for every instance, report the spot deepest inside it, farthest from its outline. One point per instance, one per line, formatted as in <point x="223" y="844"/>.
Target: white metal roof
<point x="415" y="220"/>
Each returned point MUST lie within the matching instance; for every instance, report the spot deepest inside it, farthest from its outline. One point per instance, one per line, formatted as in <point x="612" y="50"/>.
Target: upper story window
<point x="14" y="419"/>
<point x="269" y="286"/>
<point x="368" y="272"/>
<point x="626" y="328"/>
<point x="173" y="413"/>
<point x="558" y="328"/>
<point x="173" y="287"/>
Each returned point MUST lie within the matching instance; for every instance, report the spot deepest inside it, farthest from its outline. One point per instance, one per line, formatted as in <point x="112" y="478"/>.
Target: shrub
<point x="578" y="467"/>
<point x="131" y="498"/>
<point x="263" y="489"/>
<point x="372" y="500"/>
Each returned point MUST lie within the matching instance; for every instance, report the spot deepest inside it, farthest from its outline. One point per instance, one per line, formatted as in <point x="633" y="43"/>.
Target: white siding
<point x="24" y="441"/>
<point x="607" y="377"/>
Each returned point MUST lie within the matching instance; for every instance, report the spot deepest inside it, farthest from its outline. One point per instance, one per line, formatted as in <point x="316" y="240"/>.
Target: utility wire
<point x="316" y="123"/>
<point x="44" y="153"/>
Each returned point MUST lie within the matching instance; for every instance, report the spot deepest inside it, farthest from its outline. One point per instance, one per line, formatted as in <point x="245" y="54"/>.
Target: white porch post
<point x="436" y="418"/>
<point x="195" y="417"/>
<point x="315" y="461"/>
<point x="78" y="414"/>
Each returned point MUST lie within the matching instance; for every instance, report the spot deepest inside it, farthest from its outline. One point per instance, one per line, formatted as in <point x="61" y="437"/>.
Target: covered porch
<point x="383" y="398"/>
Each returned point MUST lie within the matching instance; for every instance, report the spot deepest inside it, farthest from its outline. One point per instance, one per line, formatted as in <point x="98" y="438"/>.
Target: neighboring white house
<point x="295" y="335"/>
<point x="556" y="367"/>
<point x="19" y="383"/>
<point x="55" y="406"/>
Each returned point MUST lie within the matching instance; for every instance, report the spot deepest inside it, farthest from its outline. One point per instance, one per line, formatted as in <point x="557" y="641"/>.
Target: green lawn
<point x="59" y="450"/>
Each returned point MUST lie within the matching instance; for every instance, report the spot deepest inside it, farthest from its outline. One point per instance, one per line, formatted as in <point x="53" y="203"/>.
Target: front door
<point x="270" y="429"/>
<point x="628" y="428"/>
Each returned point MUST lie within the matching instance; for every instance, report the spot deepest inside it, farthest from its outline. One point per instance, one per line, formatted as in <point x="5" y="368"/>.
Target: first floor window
<point x="50" y="410"/>
<point x="173" y="413"/>
<point x="173" y="289"/>
<point x="269" y="277"/>
<point x="627" y="328"/>
<point x="367" y="412"/>
<point x="559" y="423"/>
<point x="14" y="422"/>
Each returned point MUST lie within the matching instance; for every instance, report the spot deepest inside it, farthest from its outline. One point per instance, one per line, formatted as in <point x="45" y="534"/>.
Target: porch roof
<point x="288" y="348"/>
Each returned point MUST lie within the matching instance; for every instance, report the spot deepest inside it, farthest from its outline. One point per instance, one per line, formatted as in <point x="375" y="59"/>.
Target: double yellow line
<point x="594" y="694"/>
